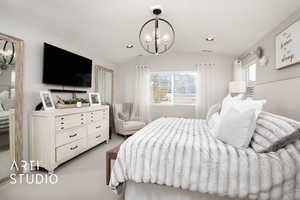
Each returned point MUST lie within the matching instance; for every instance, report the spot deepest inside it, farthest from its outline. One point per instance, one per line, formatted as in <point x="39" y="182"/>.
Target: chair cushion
<point x="133" y="125"/>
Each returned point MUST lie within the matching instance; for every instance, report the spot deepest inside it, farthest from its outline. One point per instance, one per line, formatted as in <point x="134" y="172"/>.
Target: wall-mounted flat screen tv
<point x="65" y="68"/>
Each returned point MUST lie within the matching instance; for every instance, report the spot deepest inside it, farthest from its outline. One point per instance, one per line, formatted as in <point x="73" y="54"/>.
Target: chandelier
<point x="157" y="35"/>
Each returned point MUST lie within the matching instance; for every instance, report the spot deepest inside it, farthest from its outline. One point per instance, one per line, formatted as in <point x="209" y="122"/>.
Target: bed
<point x="175" y="155"/>
<point x="4" y="122"/>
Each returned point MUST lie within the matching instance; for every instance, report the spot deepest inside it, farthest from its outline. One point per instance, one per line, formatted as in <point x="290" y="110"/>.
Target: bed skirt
<point x="147" y="191"/>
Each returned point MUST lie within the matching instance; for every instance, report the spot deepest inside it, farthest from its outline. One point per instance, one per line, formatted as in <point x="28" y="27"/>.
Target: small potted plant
<point x="71" y="103"/>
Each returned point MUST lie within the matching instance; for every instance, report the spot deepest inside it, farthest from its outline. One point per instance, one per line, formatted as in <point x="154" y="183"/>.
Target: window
<point x="173" y="88"/>
<point x="251" y="74"/>
<point x="250" y="78"/>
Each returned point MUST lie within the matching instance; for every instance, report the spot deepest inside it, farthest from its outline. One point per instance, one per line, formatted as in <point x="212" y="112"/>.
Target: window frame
<point x="246" y="73"/>
<point x="172" y="89"/>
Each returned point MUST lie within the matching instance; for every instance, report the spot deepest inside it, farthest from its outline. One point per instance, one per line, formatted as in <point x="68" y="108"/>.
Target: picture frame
<point x="47" y="100"/>
<point x="94" y="98"/>
<point x="287" y="46"/>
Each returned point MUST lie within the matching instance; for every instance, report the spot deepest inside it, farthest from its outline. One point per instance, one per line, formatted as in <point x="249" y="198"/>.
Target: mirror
<point x="11" y="58"/>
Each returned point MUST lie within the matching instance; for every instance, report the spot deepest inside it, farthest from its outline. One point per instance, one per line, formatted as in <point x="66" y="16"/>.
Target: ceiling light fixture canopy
<point x="157" y="35"/>
<point x="129" y="46"/>
<point x="210" y="39"/>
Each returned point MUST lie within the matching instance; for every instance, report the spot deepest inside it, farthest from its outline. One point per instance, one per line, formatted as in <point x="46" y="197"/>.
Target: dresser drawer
<point x="96" y="138"/>
<point x="70" y="117"/>
<point x="69" y="150"/>
<point x="97" y="115"/>
<point x="65" y="137"/>
<point x="96" y="127"/>
<point x="69" y="121"/>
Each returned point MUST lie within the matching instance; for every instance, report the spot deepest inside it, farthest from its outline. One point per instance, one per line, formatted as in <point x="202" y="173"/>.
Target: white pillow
<point x="213" y="123"/>
<point x="251" y="104"/>
<point x="229" y="102"/>
<point x="237" y="127"/>
<point x="214" y="118"/>
<point x="214" y="109"/>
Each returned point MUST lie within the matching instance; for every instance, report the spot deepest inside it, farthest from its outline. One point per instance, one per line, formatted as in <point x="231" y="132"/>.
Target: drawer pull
<point x="98" y="127"/>
<point x="82" y="123"/>
<point x="81" y="114"/>
<point x="62" y="127"/>
<point x="73" y="148"/>
<point x="98" y="136"/>
<point x="62" y="123"/>
<point x="70" y="136"/>
<point x="82" y="119"/>
<point x="62" y="118"/>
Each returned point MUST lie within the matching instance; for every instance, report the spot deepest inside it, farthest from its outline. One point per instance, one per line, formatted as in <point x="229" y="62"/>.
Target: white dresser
<point x="59" y="135"/>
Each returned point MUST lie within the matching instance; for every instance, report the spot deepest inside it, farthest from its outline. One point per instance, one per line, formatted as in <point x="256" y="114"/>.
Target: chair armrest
<point x="119" y="125"/>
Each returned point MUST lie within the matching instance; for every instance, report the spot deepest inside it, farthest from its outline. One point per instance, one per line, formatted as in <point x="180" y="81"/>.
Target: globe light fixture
<point x="157" y="35"/>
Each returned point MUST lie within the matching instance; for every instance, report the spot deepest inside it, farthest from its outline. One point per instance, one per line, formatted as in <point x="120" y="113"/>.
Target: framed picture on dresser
<point x="47" y="100"/>
<point x="94" y="98"/>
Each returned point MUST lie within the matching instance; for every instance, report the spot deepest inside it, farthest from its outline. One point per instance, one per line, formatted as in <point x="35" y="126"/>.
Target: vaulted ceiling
<point x="108" y="25"/>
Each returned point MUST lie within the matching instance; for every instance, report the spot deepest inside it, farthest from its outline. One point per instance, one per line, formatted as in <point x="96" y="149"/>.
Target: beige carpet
<point x="82" y="178"/>
<point x="5" y="162"/>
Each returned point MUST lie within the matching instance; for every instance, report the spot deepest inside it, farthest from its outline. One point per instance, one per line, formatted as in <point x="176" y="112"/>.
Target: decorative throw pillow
<point x="274" y="132"/>
<point x="213" y="124"/>
<point x="237" y="127"/>
<point x="123" y="116"/>
<point x="214" y="109"/>
<point x="251" y="104"/>
<point x="228" y="102"/>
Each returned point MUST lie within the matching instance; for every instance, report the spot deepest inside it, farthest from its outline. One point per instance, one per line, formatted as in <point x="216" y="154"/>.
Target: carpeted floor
<point x="5" y="162"/>
<point x="82" y="178"/>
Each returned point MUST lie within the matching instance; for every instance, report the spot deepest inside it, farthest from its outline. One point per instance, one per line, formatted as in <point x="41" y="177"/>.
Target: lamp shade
<point x="237" y="87"/>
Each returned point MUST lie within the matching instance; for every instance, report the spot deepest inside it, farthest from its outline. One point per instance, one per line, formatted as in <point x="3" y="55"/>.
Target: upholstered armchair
<point x="126" y="119"/>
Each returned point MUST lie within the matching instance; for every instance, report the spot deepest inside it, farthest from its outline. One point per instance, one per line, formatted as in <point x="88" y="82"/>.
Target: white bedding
<point x="182" y="153"/>
<point x="4" y="121"/>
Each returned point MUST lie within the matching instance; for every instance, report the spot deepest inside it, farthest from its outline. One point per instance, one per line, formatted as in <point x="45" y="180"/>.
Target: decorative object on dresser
<point x="94" y="98"/>
<point x="71" y="103"/>
<point x="59" y="135"/>
<point x="47" y="100"/>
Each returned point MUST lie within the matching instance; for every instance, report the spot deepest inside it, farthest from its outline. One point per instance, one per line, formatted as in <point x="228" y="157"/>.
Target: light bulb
<point x="148" y="38"/>
<point x="166" y="38"/>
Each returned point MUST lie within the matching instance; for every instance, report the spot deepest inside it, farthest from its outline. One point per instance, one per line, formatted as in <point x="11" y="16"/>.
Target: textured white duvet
<point x="182" y="153"/>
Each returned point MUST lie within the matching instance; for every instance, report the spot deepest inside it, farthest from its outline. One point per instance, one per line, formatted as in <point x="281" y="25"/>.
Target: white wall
<point x="174" y="62"/>
<point x="34" y="38"/>
<point x="279" y="87"/>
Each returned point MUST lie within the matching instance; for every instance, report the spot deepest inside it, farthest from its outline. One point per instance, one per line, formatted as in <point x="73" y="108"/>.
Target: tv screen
<point x="62" y="67"/>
